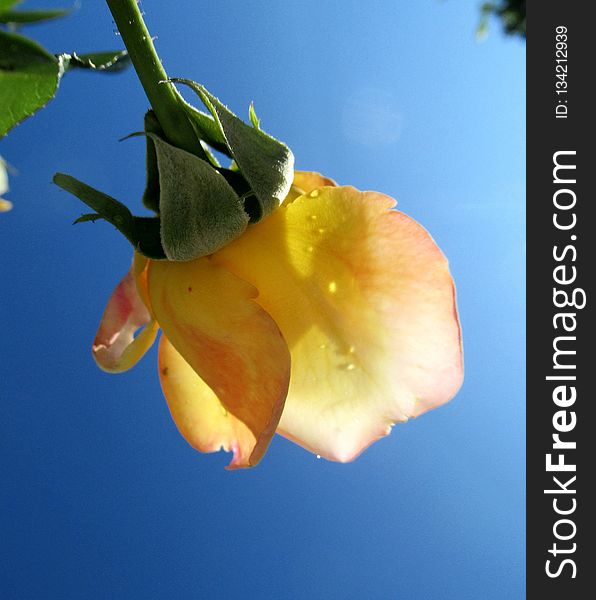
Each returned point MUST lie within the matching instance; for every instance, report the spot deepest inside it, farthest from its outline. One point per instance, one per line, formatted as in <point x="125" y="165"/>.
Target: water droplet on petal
<point x="347" y="366"/>
<point x="314" y="193"/>
<point x="319" y="456"/>
<point x="332" y="287"/>
<point x="313" y="217"/>
<point x="310" y="249"/>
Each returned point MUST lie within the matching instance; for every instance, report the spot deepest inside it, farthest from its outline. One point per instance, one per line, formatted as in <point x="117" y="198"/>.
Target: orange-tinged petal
<point x="210" y="317"/>
<point x="365" y="301"/>
<point x="308" y="181"/>
<point x="199" y="415"/>
<point x="115" y="348"/>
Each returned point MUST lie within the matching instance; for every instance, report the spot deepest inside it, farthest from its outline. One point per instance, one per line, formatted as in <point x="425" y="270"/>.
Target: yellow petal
<point x="199" y="415"/>
<point x="365" y="301"/>
<point x="115" y="348"/>
<point x="210" y="317"/>
<point x="140" y="266"/>
<point x="304" y="183"/>
<point x="5" y="205"/>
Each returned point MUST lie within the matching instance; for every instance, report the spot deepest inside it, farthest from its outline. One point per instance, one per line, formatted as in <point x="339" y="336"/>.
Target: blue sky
<point x="100" y="496"/>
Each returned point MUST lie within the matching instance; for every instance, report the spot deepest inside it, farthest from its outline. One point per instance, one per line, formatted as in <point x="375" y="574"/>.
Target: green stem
<point x="162" y="96"/>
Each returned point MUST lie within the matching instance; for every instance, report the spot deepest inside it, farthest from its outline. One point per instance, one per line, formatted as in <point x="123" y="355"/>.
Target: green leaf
<point x="200" y="212"/>
<point x="110" y="62"/>
<point x="141" y="232"/>
<point x="29" y="77"/>
<point x="266" y="163"/>
<point x="6" y="4"/>
<point x="32" y="16"/>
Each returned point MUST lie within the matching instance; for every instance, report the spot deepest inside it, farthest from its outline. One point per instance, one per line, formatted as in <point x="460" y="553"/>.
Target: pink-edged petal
<point x="365" y="300"/>
<point x="5" y="205"/>
<point x="211" y="318"/>
<point x="115" y="347"/>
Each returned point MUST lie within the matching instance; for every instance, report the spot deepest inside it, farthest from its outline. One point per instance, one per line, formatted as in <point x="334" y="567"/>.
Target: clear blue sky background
<point x="100" y="497"/>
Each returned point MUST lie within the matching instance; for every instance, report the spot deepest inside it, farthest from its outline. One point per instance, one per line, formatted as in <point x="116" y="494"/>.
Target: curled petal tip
<point x="115" y="348"/>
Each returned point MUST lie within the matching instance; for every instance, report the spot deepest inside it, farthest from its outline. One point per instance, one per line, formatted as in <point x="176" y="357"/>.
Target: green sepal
<point x="147" y="231"/>
<point x="151" y="193"/>
<point x="105" y="206"/>
<point x="109" y="62"/>
<point x="252" y="115"/>
<point x="207" y="129"/>
<point x="87" y="217"/>
<point x="23" y="17"/>
<point x="141" y="232"/>
<point x="210" y="156"/>
<point x="266" y="163"/>
<point x="237" y="182"/>
<point x="29" y="77"/>
<point x="199" y="211"/>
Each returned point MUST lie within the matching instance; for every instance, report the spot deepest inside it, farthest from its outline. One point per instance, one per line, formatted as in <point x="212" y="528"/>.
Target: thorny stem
<point x="162" y="96"/>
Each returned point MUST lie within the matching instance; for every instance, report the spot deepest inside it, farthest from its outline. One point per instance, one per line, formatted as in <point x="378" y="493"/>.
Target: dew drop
<point x="351" y="350"/>
<point x="310" y="249"/>
<point x="350" y="367"/>
<point x="321" y="230"/>
<point x="314" y="193"/>
<point x="319" y="456"/>
<point x="313" y="217"/>
<point x="332" y="287"/>
<point x="224" y="412"/>
<point x="323" y="346"/>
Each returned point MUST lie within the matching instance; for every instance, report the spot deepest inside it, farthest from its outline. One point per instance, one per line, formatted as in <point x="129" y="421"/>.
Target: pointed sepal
<point x="141" y="232"/>
<point x="266" y="163"/>
<point x="200" y="212"/>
